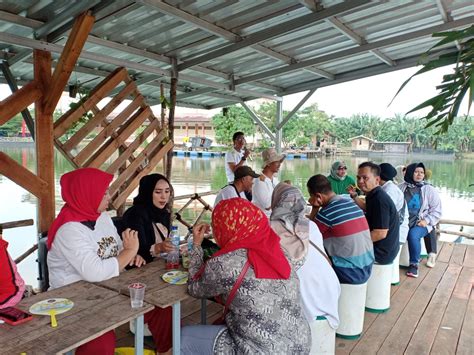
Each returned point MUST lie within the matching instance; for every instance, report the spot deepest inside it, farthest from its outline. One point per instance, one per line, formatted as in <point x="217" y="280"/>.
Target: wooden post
<point x="44" y="142"/>
<point x="163" y="115"/>
<point x="174" y="84"/>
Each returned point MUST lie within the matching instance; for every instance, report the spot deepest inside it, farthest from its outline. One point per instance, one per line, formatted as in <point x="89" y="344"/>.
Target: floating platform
<point x="197" y="154"/>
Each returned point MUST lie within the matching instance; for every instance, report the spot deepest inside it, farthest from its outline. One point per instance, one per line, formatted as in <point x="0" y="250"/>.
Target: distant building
<point x="361" y="145"/>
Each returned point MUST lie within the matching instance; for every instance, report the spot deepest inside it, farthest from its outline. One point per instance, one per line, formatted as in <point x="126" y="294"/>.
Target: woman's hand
<point x="164" y="247"/>
<point x="130" y="240"/>
<point x="422" y="223"/>
<point x="198" y="232"/>
<point x="137" y="261"/>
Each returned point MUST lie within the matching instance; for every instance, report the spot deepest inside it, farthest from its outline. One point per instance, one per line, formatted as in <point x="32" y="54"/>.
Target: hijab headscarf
<point x="334" y="168"/>
<point x="410" y="171"/>
<point x="238" y="224"/>
<point x="145" y="199"/>
<point x="288" y="220"/>
<point x="82" y="190"/>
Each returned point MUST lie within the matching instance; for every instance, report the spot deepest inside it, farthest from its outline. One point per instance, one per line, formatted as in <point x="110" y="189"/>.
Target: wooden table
<point x="96" y="311"/>
<point x="158" y="292"/>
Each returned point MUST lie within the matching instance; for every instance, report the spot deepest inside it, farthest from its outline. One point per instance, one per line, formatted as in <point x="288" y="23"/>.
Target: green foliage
<point x="237" y="119"/>
<point x="12" y="127"/>
<point x="454" y="87"/>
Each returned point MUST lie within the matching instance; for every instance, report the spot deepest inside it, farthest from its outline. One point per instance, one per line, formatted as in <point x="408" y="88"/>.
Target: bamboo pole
<point x="26" y="254"/>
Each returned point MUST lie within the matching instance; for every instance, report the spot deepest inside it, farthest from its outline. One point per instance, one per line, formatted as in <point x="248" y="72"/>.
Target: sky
<point x="370" y="95"/>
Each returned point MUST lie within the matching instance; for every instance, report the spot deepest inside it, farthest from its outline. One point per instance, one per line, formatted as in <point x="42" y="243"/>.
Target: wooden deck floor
<point x="433" y="314"/>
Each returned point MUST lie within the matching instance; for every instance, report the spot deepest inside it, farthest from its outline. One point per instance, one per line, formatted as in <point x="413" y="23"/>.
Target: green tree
<point x="236" y="119"/>
<point x="455" y="86"/>
<point x="12" y="127"/>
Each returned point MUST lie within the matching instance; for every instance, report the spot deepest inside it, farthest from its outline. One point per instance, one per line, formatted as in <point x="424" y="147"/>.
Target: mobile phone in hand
<point x="14" y="316"/>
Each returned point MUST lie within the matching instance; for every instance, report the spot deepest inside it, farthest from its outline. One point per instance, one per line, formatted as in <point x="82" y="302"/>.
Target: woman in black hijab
<point x="150" y="215"/>
<point x="424" y="212"/>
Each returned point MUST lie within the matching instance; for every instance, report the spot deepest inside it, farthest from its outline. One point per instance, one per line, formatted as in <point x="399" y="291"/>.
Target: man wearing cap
<point x="387" y="174"/>
<point x="263" y="186"/>
<point x="243" y="182"/>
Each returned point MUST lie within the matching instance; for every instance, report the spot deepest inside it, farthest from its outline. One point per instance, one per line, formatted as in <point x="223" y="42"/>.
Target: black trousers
<point x="431" y="242"/>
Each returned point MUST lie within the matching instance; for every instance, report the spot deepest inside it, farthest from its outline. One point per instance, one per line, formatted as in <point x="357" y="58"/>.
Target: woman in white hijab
<point x="302" y="241"/>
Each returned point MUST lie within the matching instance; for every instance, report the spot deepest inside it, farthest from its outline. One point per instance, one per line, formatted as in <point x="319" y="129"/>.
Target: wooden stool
<point x="351" y="311"/>
<point x="378" y="289"/>
<point x="323" y="337"/>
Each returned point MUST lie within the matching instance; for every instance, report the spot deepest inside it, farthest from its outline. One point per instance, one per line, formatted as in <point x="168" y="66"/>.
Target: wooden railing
<point x="460" y="233"/>
<point x="16" y="224"/>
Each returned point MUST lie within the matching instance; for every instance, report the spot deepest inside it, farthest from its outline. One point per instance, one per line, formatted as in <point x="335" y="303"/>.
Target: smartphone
<point x="14" y="316"/>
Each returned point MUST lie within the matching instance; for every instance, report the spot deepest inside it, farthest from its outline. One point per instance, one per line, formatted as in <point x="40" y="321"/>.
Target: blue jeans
<point x="414" y="245"/>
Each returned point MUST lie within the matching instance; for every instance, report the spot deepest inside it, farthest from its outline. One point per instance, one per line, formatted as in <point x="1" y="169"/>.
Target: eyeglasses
<point x="342" y="168"/>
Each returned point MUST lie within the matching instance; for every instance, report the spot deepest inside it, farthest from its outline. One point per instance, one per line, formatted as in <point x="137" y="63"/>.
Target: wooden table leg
<point x="203" y="311"/>
<point x="177" y="328"/>
<point x="139" y="335"/>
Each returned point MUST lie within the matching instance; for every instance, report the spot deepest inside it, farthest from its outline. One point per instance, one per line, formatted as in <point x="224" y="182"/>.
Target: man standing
<point x="263" y="186"/>
<point x="381" y="214"/>
<point x="236" y="157"/>
<point x="345" y="231"/>
<point x="243" y="182"/>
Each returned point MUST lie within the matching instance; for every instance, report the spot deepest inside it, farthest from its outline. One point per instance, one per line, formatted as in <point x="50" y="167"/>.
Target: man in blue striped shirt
<point x="345" y="231"/>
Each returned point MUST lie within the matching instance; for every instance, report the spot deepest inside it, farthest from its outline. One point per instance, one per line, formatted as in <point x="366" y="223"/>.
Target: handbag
<point x="233" y="292"/>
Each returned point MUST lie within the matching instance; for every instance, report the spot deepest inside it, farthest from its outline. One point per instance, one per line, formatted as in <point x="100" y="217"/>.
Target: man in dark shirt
<point x="381" y="213"/>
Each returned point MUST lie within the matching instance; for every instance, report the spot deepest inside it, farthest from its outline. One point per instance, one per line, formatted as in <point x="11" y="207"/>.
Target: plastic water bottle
<point x="172" y="259"/>
<point x="185" y="254"/>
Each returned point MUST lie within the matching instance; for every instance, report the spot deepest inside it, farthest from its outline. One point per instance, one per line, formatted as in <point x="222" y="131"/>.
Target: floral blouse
<point x="265" y="316"/>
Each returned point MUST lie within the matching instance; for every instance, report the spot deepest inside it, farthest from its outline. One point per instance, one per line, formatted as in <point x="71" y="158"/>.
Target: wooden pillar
<point x="44" y="141"/>
<point x="163" y="115"/>
<point x="187" y="129"/>
<point x="174" y="84"/>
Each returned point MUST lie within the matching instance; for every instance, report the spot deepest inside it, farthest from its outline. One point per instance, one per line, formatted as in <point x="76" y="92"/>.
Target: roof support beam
<point x="359" y="74"/>
<point x="356" y="50"/>
<point x="64" y="17"/>
<point x="359" y="40"/>
<point x="320" y="72"/>
<point x="258" y="121"/>
<point x="275" y="31"/>
<point x="14" y="87"/>
<point x="67" y="61"/>
<point x="297" y="107"/>
<point x="211" y="28"/>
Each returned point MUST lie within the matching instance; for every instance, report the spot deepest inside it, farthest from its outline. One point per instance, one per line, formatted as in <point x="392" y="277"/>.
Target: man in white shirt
<point x="236" y="157"/>
<point x="244" y="177"/>
<point x="263" y="186"/>
<point x="387" y="174"/>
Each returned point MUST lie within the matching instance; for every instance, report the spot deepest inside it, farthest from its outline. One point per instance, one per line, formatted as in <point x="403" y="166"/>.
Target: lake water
<point x="190" y="175"/>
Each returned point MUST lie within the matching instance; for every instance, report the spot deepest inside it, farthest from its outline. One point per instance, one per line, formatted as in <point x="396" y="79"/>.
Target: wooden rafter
<point x="127" y="145"/>
<point x="22" y="176"/>
<point x="19" y="100"/>
<point x="75" y="42"/>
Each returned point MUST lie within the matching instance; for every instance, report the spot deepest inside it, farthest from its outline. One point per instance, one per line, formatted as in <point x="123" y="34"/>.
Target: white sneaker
<point x="431" y="260"/>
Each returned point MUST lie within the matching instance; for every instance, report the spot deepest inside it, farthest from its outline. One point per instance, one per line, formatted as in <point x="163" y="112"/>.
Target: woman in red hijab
<point x="84" y="245"/>
<point x="263" y="312"/>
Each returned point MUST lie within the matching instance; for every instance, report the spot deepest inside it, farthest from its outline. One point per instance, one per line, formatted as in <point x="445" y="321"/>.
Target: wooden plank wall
<point x="128" y="144"/>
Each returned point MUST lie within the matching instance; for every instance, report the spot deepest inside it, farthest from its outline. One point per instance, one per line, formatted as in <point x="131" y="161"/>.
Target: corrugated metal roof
<point x="231" y="51"/>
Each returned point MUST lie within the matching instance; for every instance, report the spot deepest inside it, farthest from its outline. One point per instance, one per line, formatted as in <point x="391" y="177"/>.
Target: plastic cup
<point x="137" y="294"/>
